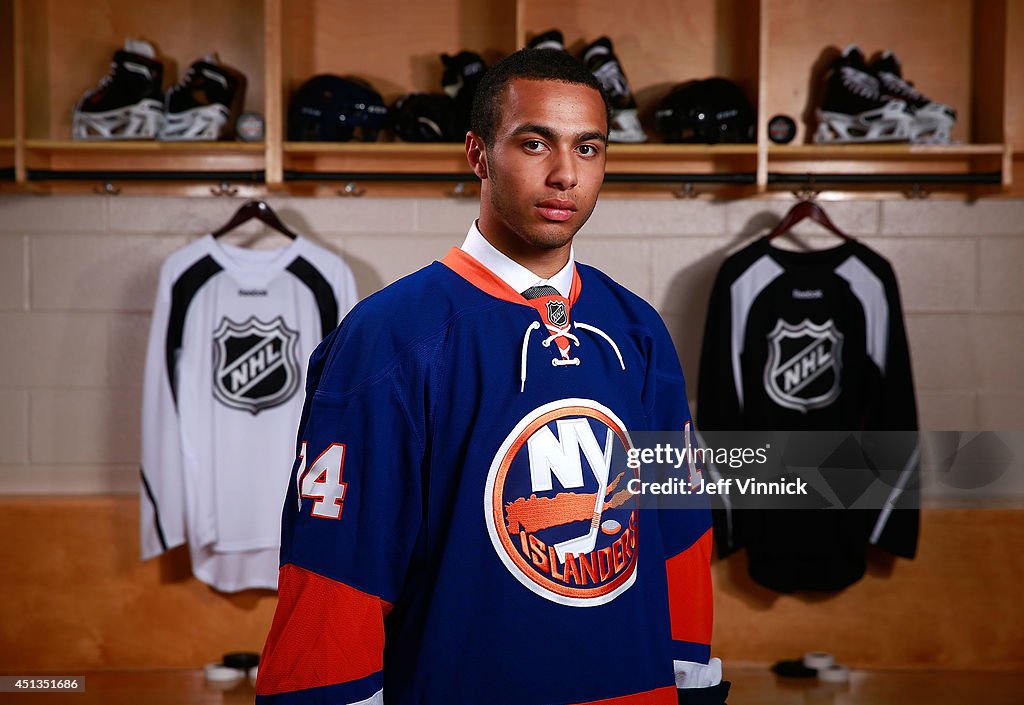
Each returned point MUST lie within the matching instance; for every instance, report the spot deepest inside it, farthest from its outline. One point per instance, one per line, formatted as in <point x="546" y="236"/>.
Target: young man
<point x="458" y="528"/>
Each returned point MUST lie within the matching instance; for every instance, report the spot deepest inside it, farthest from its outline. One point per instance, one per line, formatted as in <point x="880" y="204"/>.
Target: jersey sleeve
<point x="350" y="527"/>
<point x="718" y="399"/>
<point x="687" y="536"/>
<point x="894" y="409"/>
<point x="162" y="482"/>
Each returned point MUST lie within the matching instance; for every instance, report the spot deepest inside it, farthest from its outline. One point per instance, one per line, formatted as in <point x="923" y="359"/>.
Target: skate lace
<point x="896" y="84"/>
<point x="863" y="84"/>
<point x="557" y="332"/>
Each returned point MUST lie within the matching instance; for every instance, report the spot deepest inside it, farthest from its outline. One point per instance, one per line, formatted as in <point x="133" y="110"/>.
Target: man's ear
<point x="476" y="153"/>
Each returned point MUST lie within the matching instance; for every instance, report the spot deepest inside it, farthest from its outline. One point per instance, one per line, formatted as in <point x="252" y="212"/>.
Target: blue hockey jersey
<point x="458" y="528"/>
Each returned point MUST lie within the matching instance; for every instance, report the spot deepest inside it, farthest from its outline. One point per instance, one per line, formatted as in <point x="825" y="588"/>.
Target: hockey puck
<point x="817" y="660"/>
<point x="242" y="660"/>
<point x="781" y="129"/>
<point x="219" y="673"/>
<point x="793" y="669"/>
<point x="834" y="674"/>
<point x="250" y="127"/>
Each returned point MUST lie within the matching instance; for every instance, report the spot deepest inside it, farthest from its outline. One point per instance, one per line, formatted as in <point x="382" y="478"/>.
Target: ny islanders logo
<point x="254" y="364"/>
<point x="804" y="362"/>
<point x="556" y="505"/>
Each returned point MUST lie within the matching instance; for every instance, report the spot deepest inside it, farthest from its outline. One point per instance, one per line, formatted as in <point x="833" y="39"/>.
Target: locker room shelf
<point x="143" y="156"/>
<point x="962" y="52"/>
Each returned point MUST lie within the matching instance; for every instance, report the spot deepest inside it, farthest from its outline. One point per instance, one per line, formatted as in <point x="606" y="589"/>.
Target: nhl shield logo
<point x="557" y="507"/>
<point x="556" y="313"/>
<point x="254" y="364"/>
<point x="804" y="362"/>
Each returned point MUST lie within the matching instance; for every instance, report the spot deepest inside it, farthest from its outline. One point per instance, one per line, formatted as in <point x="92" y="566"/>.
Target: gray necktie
<point x="535" y="292"/>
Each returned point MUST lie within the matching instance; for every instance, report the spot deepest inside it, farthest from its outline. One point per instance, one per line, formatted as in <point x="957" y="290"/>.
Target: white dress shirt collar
<point x="511" y="272"/>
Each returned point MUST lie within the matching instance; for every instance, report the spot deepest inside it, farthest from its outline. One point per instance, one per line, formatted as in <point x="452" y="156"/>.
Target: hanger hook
<point x="809" y="192"/>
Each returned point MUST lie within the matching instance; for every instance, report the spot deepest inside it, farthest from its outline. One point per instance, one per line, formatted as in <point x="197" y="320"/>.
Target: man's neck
<point x="544" y="263"/>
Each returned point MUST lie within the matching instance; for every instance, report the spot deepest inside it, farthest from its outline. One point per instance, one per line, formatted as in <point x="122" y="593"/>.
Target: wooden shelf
<point x="143" y="155"/>
<point x="884" y="151"/>
<point x="965" y="53"/>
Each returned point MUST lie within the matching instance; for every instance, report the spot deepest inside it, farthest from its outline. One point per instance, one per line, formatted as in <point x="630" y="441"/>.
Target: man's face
<point x="545" y="164"/>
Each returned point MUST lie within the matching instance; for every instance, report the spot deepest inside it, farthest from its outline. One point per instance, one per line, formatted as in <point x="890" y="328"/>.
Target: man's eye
<point x="533" y="145"/>
<point x="587" y="150"/>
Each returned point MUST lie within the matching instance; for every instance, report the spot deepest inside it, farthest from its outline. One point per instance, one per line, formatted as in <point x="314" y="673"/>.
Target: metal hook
<point x="224" y="189"/>
<point x="916" y="192"/>
<point x="460" y="191"/>
<point x="107" y="189"/>
<point x="808" y="192"/>
<point x="351" y="189"/>
<point x="687" y="191"/>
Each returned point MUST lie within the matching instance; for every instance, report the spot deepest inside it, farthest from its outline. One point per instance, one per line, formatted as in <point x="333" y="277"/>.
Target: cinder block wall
<point x="77" y="278"/>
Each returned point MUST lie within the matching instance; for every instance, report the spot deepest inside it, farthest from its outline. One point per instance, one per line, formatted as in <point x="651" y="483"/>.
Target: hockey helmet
<point x="710" y="111"/>
<point x="426" y="117"/>
<point x="329" y="108"/>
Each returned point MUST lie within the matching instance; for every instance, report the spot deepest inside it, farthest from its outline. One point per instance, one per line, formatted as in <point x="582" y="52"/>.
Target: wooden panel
<point x="933" y="40"/>
<point x="398" y="49"/>
<point x="956" y="605"/>
<point x="660" y="43"/>
<point x="74" y="596"/>
<point x="989" y="70"/>
<point x="6" y="68"/>
<point x="1014" y="74"/>
<point x="72" y="43"/>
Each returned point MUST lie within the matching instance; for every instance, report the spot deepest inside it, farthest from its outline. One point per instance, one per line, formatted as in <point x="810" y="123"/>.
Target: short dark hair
<point x="529" y="64"/>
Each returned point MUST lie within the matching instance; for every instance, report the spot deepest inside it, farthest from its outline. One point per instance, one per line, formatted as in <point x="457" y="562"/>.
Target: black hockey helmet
<point x="426" y="117"/>
<point x="710" y="111"/>
<point x="329" y="108"/>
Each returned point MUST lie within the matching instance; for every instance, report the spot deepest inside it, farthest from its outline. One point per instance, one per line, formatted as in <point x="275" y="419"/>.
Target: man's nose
<point x="563" y="174"/>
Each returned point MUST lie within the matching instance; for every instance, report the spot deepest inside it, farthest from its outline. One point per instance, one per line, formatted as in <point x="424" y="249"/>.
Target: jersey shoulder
<point x="403" y="323"/>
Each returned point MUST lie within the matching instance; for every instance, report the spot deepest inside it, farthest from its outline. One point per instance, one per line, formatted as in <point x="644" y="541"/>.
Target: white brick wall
<point x="77" y="276"/>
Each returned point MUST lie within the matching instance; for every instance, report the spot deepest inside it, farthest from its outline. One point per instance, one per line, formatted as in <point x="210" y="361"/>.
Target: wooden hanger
<point x="801" y="211"/>
<point x="259" y="210"/>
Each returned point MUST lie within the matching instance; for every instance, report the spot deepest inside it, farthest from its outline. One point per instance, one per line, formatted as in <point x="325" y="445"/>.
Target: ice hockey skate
<point x="933" y="122"/>
<point x="552" y="39"/>
<point x="854" y="109"/>
<point x="127" y="103"/>
<point x="602" y="62"/>
<point x="202" y="105"/>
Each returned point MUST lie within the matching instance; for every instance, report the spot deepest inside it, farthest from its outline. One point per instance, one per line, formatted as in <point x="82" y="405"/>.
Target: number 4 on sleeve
<point x="322" y="481"/>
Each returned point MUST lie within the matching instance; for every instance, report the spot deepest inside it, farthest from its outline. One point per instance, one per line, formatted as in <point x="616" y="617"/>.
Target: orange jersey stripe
<point x="659" y="696"/>
<point x="324" y="632"/>
<point x="690" y="603"/>
<point x="467" y="267"/>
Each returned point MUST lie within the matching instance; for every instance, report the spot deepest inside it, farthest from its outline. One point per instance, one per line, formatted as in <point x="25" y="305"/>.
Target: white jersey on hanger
<point x="232" y="331"/>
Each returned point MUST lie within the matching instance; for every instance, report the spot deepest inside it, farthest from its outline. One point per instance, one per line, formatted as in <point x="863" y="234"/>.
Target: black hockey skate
<point x="854" y="109"/>
<point x="933" y="122"/>
<point x="128" y="102"/>
<point x="552" y="39"/>
<point x="204" y="104"/>
<point x="461" y="76"/>
<point x="602" y="62"/>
